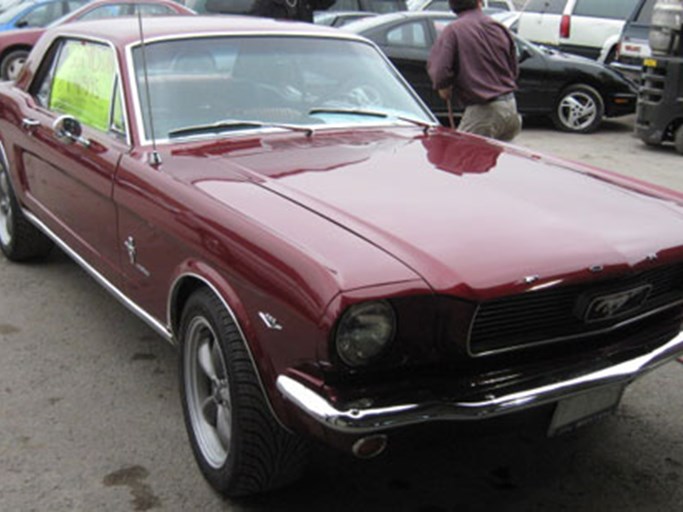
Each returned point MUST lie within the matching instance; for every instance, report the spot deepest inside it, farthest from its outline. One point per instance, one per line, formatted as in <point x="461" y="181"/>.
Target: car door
<point x="407" y="45"/>
<point x="536" y="90"/>
<point x="69" y="180"/>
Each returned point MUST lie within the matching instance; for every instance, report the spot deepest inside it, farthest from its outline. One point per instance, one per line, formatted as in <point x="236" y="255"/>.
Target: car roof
<point x="121" y="31"/>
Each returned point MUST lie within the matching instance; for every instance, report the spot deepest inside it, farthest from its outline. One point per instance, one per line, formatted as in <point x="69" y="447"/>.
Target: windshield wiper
<point x="352" y="111"/>
<point x="233" y="125"/>
<point x="370" y="113"/>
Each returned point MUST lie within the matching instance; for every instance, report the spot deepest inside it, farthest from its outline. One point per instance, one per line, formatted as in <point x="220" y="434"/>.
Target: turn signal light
<point x="565" y="26"/>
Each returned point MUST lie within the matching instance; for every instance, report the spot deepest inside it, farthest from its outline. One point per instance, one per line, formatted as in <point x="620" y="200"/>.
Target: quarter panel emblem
<point x="615" y="305"/>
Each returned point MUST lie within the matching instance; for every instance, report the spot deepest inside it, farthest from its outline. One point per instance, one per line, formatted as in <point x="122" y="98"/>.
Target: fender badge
<point x="270" y="321"/>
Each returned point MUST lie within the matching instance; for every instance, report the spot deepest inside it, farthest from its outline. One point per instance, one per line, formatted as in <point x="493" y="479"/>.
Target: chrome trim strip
<point x="214" y="290"/>
<point x="361" y="421"/>
<point x="541" y="343"/>
<point x="155" y="324"/>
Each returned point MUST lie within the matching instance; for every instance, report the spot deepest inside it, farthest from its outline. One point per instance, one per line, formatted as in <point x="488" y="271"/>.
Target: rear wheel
<point x="239" y="446"/>
<point x="19" y="239"/>
<point x="12" y="64"/>
<point x="578" y="109"/>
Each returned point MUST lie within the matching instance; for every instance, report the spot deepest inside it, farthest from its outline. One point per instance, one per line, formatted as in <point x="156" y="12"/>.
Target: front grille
<point x="539" y="317"/>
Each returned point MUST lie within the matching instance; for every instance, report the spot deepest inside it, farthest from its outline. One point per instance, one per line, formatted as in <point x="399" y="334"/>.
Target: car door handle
<point x="29" y="124"/>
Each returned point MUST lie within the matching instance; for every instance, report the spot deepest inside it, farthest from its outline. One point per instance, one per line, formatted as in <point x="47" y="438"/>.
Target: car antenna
<point x="155" y="157"/>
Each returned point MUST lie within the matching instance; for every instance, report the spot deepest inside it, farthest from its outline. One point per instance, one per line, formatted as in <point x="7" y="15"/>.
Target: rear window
<point x="546" y="6"/>
<point x="613" y="9"/>
<point x="644" y="15"/>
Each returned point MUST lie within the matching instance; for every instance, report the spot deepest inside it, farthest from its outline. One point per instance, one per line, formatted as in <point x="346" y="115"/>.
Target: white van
<point x="584" y="27"/>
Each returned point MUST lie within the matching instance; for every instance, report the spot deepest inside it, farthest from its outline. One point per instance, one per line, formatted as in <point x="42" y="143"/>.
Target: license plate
<point x="577" y="411"/>
<point x="650" y="63"/>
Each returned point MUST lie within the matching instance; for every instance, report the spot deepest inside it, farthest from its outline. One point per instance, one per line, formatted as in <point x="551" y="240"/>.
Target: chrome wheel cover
<point x="14" y="67"/>
<point x="207" y="392"/>
<point x="577" y="111"/>
<point x="6" y="211"/>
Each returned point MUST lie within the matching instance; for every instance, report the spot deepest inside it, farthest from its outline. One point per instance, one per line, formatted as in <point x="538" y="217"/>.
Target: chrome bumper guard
<point x="365" y="420"/>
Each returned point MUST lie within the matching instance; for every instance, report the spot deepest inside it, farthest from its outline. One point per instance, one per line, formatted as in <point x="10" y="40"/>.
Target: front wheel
<point x="579" y="109"/>
<point x="239" y="446"/>
<point x="19" y="239"/>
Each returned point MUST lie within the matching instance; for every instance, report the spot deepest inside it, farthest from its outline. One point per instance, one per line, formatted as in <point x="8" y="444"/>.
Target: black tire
<point x="19" y="239"/>
<point x="239" y="446"/>
<point x="678" y="139"/>
<point x="579" y="109"/>
<point x="12" y="63"/>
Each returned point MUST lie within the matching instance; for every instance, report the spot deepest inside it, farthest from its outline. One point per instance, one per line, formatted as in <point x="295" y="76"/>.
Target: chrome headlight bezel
<point x="360" y="339"/>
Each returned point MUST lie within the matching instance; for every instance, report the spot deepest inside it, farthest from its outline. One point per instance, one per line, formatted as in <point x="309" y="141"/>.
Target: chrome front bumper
<point x="488" y="405"/>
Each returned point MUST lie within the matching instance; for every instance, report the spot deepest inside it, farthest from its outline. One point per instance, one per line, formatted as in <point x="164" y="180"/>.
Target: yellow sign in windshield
<point x="84" y="82"/>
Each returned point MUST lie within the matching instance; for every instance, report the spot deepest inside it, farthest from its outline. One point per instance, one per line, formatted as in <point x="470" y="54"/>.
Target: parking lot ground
<point x="90" y="417"/>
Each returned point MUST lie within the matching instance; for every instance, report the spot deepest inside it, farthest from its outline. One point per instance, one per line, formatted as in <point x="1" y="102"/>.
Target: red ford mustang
<point x="15" y="45"/>
<point x="333" y="264"/>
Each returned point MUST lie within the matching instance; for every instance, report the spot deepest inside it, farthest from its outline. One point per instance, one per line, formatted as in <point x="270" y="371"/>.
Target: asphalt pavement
<point x="90" y="416"/>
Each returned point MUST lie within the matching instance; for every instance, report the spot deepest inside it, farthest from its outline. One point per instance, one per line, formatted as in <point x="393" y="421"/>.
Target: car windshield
<point x="207" y="86"/>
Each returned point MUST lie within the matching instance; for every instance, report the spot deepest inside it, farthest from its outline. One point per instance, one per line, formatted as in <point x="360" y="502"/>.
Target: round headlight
<point x="364" y="331"/>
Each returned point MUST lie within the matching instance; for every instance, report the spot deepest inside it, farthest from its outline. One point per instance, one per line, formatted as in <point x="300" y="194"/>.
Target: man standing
<point x="475" y="60"/>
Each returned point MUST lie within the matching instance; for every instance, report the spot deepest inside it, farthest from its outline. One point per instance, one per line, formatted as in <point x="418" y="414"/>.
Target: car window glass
<point x="154" y="10"/>
<point x="40" y="88"/>
<point x="438" y="5"/>
<point x="499" y="5"/>
<point x="645" y="12"/>
<point x="546" y="6"/>
<point x="104" y="11"/>
<point x="614" y="9"/>
<point x="118" y="123"/>
<point x="200" y="82"/>
<point x="83" y="83"/>
<point x="408" y="34"/>
<point x="42" y="15"/>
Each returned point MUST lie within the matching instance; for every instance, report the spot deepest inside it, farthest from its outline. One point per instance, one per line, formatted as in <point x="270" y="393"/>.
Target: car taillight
<point x="565" y="26"/>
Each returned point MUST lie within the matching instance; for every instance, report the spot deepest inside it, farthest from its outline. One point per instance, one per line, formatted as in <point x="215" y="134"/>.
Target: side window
<point x="153" y="10"/>
<point x="118" y="121"/>
<point x="408" y="34"/>
<point x="81" y="83"/>
<point x="41" y="15"/>
<point x="547" y="6"/>
<point x="105" y="11"/>
<point x="614" y="9"/>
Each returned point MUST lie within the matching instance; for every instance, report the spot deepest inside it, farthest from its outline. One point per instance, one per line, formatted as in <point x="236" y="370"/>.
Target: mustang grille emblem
<point x="616" y="304"/>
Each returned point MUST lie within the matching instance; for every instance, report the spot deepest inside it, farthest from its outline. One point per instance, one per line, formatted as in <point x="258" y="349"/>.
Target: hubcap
<point x="14" y="67"/>
<point x="207" y="392"/>
<point x="6" y="213"/>
<point x="577" y="110"/>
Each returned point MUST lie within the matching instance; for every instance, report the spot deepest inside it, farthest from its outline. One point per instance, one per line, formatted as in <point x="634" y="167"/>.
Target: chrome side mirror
<point x="67" y="129"/>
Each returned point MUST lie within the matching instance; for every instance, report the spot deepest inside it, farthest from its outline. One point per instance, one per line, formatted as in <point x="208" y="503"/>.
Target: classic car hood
<point x="467" y="215"/>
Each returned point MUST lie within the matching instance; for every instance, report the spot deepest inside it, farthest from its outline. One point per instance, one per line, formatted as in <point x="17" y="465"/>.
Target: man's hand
<point x="446" y="93"/>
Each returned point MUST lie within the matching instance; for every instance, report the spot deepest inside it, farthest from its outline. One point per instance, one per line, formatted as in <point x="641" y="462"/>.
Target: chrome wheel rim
<point x="207" y="392"/>
<point x="14" y="67"/>
<point x="6" y="211"/>
<point x="577" y="110"/>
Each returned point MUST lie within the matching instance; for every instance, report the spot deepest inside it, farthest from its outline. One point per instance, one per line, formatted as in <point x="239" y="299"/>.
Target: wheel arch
<point x="15" y="47"/>
<point x="196" y="275"/>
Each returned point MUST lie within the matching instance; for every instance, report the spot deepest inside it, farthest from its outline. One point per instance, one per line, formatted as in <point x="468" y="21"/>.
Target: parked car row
<point x="575" y="92"/>
<point x="15" y="45"/>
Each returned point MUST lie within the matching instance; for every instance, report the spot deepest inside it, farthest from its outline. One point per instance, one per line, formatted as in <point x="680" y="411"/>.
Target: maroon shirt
<point x="476" y="55"/>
